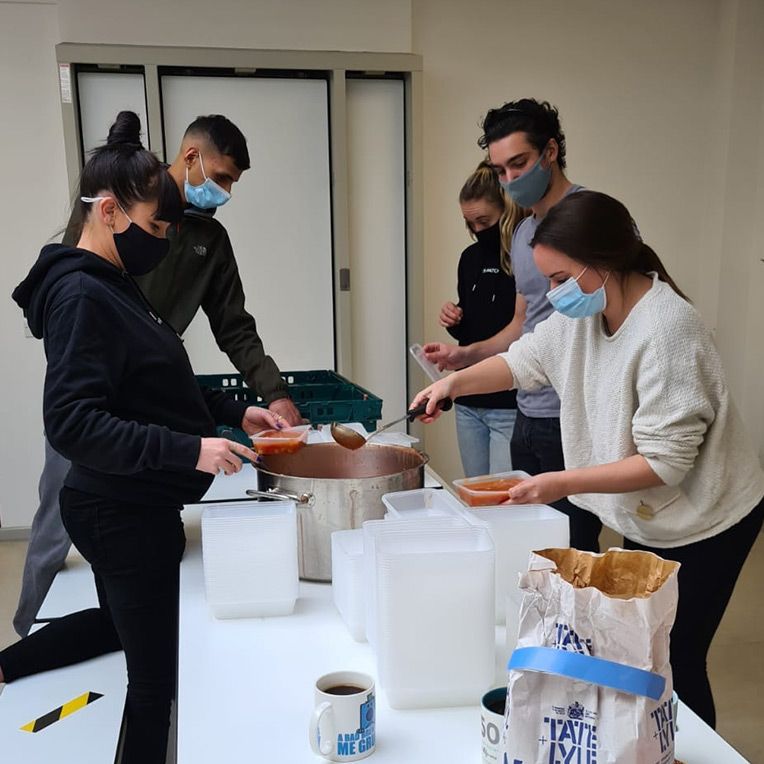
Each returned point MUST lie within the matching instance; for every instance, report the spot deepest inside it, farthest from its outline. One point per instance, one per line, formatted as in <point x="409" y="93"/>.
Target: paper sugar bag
<point x="590" y="680"/>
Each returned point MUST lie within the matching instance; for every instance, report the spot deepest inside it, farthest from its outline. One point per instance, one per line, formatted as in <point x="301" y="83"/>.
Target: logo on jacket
<point x="200" y="250"/>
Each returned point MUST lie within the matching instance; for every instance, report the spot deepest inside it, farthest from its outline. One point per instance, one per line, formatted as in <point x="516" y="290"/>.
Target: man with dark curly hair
<point x="526" y="148"/>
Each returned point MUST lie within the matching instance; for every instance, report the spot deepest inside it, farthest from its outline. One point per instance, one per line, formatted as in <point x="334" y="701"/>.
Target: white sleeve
<point x="680" y="386"/>
<point x="529" y="357"/>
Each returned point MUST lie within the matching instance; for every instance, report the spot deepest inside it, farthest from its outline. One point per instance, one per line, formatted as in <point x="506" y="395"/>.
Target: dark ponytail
<point x="126" y="131"/>
<point x="648" y="260"/>
<point x="126" y="170"/>
<point x="597" y="231"/>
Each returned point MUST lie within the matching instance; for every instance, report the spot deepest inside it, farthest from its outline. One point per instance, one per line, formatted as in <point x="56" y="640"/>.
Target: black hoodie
<point x="120" y="401"/>
<point x="487" y="299"/>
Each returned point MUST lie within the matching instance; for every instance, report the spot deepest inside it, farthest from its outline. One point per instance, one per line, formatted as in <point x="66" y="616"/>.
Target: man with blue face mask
<point x="199" y="271"/>
<point x="526" y="147"/>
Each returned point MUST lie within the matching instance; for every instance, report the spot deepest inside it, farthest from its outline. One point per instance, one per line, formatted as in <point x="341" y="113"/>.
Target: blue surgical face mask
<point x="530" y="187"/>
<point x="569" y="299"/>
<point x="206" y="196"/>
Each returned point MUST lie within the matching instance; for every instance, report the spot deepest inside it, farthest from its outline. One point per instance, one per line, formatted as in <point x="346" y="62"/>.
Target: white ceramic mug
<point x="492" y="724"/>
<point x="342" y="727"/>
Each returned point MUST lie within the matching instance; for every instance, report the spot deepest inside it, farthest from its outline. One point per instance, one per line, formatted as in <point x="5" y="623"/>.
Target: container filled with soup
<point x="488" y="490"/>
<point x="286" y="441"/>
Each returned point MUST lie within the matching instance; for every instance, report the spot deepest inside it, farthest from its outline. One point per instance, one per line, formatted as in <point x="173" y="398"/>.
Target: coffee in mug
<point x="492" y="723"/>
<point x="344" y="689"/>
<point x="343" y="724"/>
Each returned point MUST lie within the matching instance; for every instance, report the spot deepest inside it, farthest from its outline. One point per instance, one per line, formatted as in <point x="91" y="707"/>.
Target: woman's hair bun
<point x="125" y="131"/>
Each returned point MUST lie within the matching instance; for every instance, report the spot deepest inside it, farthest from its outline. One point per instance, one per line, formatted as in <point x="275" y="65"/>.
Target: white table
<point x="245" y="687"/>
<point x="88" y="736"/>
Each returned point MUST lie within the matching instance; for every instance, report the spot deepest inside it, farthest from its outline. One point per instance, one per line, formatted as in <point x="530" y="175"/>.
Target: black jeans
<point x="536" y="447"/>
<point x="707" y="578"/>
<point x="135" y="553"/>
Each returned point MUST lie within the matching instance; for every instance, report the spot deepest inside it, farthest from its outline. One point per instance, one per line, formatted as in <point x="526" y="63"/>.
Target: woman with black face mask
<point x="122" y="404"/>
<point x="486" y="290"/>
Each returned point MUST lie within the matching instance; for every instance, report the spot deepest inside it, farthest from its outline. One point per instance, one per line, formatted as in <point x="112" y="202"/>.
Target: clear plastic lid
<point x="428" y="367"/>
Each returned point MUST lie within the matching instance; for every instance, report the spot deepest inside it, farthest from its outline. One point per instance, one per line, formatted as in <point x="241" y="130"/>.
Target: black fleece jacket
<point x="120" y="401"/>
<point x="487" y="299"/>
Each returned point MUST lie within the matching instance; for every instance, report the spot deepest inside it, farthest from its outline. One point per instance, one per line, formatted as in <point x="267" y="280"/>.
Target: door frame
<point x="336" y="64"/>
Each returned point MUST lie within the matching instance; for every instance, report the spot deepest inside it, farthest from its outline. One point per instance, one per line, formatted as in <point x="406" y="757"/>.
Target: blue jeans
<point x="537" y="448"/>
<point x="484" y="436"/>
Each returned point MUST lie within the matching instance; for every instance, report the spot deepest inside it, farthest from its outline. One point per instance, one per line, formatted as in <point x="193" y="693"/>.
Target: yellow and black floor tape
<point x="59" y="713"/>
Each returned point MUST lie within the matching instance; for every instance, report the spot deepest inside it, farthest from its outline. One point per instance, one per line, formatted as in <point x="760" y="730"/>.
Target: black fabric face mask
<point x="140" y="251"/>
<point x="490" y="239"/>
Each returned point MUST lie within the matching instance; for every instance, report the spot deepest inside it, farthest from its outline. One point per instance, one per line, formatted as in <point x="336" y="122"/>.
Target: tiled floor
<point x="736" y="661"/>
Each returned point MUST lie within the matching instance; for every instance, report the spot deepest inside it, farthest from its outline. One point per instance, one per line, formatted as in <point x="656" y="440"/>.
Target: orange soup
<point x="502" y="484"/>
<point x="278" y="441"/>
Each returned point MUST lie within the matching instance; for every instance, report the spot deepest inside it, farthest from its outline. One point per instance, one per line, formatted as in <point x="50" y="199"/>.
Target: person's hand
<point x="222" y="455"/>
<point x="450" y="315"/>
<point x="434" y="393"/>
<point x="256" y="419"/>
<point x="284" y="408"/>
<point x="444" y="355"/>
<point x="539" y="489"/>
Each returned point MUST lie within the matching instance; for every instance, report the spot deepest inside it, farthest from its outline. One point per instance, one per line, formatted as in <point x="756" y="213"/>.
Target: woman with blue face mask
<point x="122" y="404"/>
<point x="653" y="443"/>
<point x="486" y="289"/>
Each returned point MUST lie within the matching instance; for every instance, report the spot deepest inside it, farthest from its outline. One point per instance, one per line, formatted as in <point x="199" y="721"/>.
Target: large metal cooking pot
<point x="336" y="489"/>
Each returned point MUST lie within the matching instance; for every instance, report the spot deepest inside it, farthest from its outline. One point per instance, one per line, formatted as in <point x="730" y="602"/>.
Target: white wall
<point x="363" y="25"/>
<point x="661" y="104"/>
<point x="33" y="204"/>
<point x="377" y="200"/>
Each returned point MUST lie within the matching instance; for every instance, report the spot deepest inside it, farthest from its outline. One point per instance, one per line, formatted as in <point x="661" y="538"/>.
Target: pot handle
<point x="308" y="499"/>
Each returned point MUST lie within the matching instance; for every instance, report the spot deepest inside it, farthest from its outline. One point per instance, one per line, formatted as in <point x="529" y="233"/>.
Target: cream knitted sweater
<point x="656" y="388"/>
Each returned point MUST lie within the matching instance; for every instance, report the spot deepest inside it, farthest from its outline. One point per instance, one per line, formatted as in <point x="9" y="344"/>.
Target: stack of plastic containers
<point x="516" y="532"/>
<point x="250" y="558"/>
<point x="354" y="575"/>
<point x="348" y="588"/>
<point x="373" y="529"/>
<point x="435" y="615"/>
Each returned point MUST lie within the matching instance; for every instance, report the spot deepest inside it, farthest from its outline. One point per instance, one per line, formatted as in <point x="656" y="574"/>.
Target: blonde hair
<point x="483" y="184"/>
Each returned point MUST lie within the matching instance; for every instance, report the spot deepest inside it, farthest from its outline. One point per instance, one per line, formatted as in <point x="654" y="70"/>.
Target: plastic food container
<point x="518" y="530"/>
<point x="268" y="442"/>
<point x="435" y="616"/>
<point x="488" y="490"/>
<point x="374" y="529"/>
<point x="348" y="589"/>
<point x="422" y="504"/>
<point x="249" y="552"/>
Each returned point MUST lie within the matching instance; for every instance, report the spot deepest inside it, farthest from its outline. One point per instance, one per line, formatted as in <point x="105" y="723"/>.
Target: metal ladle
<point x="349" y="438"/>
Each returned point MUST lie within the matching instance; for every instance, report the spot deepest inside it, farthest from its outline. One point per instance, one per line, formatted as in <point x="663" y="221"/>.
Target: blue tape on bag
<point x="587" y="668"/>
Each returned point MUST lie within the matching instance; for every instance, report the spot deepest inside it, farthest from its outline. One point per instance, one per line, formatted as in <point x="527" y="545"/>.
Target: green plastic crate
<point x="320" y="396"/>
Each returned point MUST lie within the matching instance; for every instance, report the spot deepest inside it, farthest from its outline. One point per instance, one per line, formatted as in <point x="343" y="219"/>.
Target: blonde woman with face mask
<point x="486" y="304"/>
